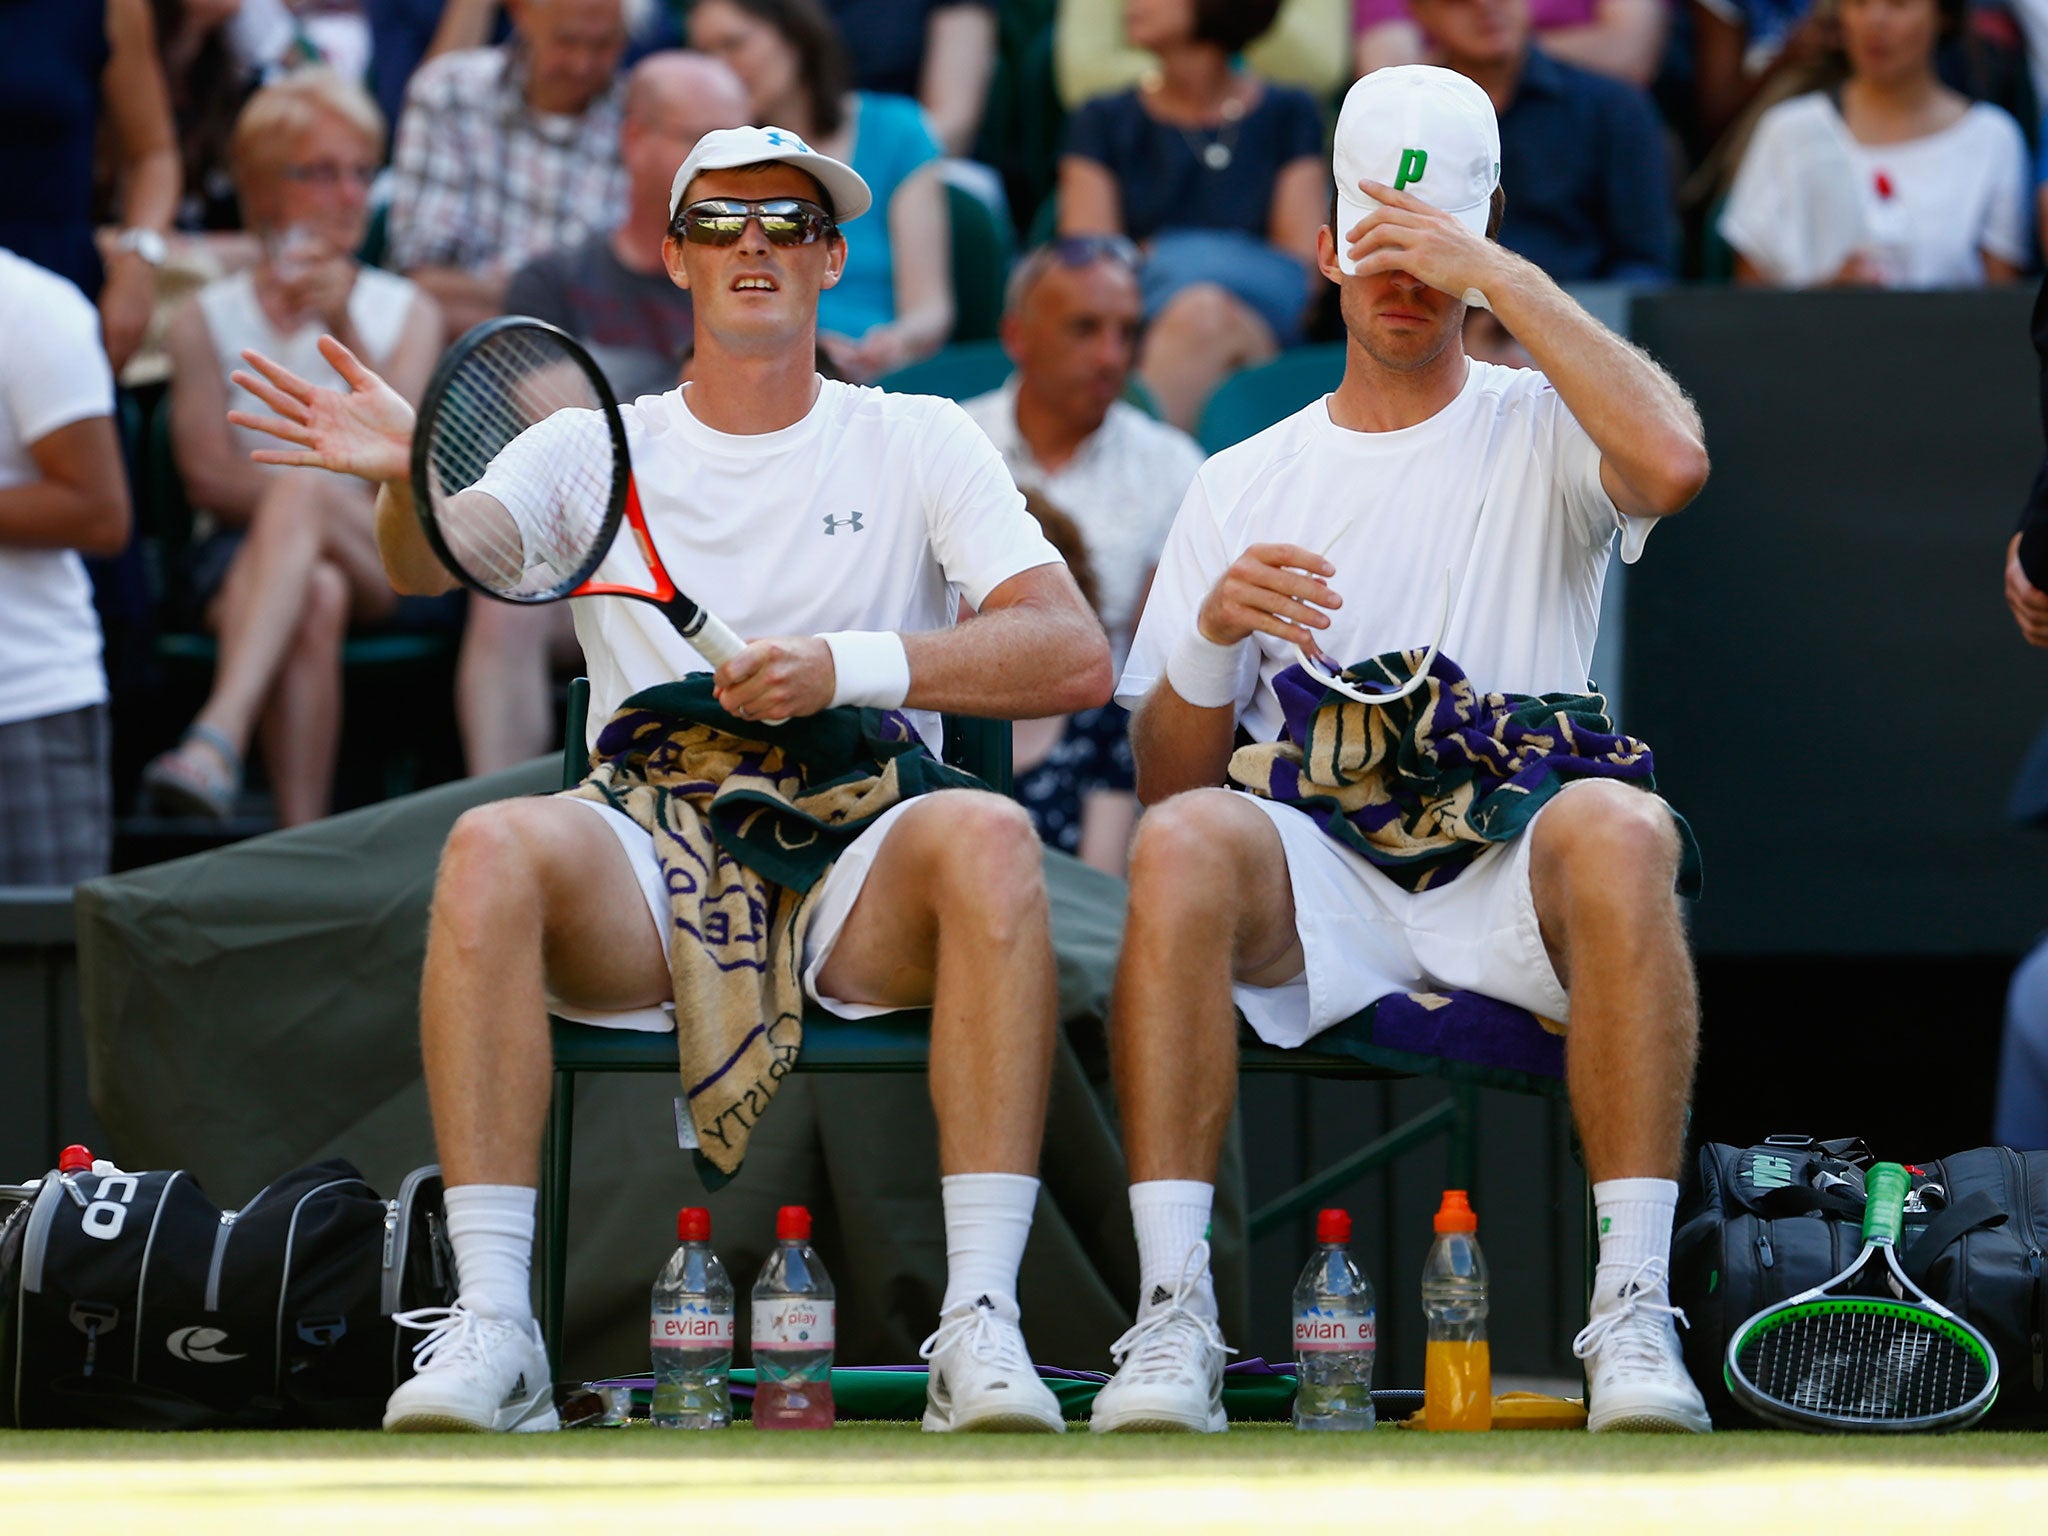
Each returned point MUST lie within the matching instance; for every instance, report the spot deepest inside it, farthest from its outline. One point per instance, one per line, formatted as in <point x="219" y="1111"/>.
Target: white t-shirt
<point x="1502" y="486"/>
<point x="53" y="373"/>
<point x="1121" y="488"/>
<point x="1809" y="195"/>
<point x="875" y="512"/>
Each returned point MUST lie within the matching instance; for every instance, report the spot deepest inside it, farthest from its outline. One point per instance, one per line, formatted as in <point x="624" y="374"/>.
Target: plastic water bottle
<point x="1334" y="1333"/>
<point x="691" y="1332"/>
<point x="794" y="1325"/>
<point x="1457" y="1372"/>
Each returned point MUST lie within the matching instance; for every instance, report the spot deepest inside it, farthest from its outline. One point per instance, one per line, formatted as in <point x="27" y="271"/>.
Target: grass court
<point x="890" y="1477"/>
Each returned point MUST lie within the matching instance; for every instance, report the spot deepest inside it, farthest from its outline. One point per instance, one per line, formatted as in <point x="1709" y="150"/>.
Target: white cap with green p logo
<point x="1419" y="129"/>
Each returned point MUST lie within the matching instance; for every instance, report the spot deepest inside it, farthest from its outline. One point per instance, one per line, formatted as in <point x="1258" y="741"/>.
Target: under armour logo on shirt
<point x="834" y="524"/>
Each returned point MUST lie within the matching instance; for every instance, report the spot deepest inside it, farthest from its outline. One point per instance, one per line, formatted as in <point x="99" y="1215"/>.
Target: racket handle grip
<point x="1884" y="1204"/>
<point x="714" y="640"/>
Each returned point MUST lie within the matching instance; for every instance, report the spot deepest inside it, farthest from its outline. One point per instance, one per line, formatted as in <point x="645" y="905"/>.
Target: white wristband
<point x="1203" y="672"/>
<point x="870" y="668"/>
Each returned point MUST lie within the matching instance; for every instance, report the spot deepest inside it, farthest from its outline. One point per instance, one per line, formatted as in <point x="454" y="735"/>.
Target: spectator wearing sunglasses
<point x="285" y="559"/>
<point x="508" y="151"/>
<point x="1218" y="175"/>
<point x="1071" y="322"/>
<point x="894" y="304"/>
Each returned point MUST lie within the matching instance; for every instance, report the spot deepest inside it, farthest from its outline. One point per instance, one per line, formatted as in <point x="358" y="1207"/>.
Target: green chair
<point x="1251" y="401"/>
<point x="982" y="248"/>
<point x="958" y="372"/>
<point x="1380" y="1044"/>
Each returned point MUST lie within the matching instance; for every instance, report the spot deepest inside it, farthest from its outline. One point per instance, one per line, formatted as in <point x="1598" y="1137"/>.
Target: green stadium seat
<point x="1249" y="402"/>
<point x="959" y="372"/>
<point x="982" y="248"/>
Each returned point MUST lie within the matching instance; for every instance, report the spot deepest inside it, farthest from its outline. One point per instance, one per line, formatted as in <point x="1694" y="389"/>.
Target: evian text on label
<point x="692" y="1328"/>
<point x="782" y="1324"/>
<point x="1317" y="1330"/>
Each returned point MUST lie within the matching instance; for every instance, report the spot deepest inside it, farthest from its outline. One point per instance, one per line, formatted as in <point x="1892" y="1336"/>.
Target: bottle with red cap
<point x="1457" y="1371"/>
<point x="794" y="1326"/>
<point x="691" y="1335"/>
<point x="1335" y="1333"/>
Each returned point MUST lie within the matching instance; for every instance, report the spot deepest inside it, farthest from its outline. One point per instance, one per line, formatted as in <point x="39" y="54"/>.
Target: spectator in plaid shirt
<point x="506" y="152"/>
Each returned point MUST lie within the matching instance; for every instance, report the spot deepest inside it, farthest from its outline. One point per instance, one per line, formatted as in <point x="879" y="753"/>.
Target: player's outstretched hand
<point x="780" y="679"/>
<point x="1270" y="589"/>
<point x="1405" y="234"/>
<point x="366" y="432"/>
<point x="2029" y="604"/>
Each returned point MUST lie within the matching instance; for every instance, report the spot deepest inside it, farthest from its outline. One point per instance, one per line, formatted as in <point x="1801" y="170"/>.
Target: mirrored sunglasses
<point x="721" y="221"/>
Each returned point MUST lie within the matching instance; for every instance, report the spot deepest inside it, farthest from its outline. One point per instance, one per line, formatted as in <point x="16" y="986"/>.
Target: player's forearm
<point x="1021" y="662"/>
<point x="1647" y="431"/>
<point x="409" y="560"/>
<point x="1179" y="746"/>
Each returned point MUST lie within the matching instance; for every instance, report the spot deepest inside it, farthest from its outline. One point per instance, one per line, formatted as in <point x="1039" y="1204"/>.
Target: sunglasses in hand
<point x="722" y="220"/>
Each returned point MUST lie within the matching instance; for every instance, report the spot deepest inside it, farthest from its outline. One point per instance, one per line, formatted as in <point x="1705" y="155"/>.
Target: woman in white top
<point x="1893" y="181"/>
<point x="297" y="546"/>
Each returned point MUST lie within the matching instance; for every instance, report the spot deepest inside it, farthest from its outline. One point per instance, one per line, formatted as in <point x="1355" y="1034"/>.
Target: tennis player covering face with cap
<point x="839" y="523"/>
<point x="1332" y="531"/>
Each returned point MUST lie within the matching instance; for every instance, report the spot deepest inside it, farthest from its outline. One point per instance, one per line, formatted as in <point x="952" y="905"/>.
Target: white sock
<point x="1634" y="1222"/>
<point x="491" y="1228"/>
<point x="1171" y="1216"/>
<point x="988" y="1217"/>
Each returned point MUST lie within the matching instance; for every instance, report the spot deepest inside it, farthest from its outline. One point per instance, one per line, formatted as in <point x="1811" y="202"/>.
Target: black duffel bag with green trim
<point x="1758" y="1225"/>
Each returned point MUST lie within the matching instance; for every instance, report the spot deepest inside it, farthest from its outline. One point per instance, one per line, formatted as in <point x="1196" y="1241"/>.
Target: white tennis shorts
<point x="834" y="896"/>
<point x="1363" y="936"/>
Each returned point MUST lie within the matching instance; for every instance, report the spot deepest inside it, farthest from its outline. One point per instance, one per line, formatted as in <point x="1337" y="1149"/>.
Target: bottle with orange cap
<point x="1457" y="1373"/>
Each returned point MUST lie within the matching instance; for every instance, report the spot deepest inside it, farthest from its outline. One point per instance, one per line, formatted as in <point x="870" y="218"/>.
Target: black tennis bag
<point x="1757" y="1225"/>
<point x="131" y="1300"/>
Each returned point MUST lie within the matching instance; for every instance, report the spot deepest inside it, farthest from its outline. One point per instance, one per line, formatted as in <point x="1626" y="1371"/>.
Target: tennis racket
<point x="1829" y="1359"/>
<point x="521" y="477"/>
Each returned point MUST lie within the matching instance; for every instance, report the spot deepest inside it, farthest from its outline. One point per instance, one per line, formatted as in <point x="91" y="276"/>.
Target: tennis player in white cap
<point x="1331" y="532"/>
<point x="839" y="525"/>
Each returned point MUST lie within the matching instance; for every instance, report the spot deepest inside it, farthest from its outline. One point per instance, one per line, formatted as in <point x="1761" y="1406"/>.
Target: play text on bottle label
<point x="793" y="1325"/>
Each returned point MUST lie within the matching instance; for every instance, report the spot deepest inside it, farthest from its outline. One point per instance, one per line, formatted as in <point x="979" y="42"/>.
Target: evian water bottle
<point x="793" y="1331"/>
<point x="691" y="1332"/>
<point x="1334" y="1334"/>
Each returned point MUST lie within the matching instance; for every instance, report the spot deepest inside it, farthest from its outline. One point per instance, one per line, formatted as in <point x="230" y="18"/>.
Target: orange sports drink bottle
<point x="1457" y="1374"/>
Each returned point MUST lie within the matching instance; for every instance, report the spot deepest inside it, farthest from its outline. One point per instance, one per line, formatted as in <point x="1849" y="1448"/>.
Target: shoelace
<point x="1634" y="1327"/>
<point x="1150" y="1343"/>
<point x="987" y="1339"/>
<point x="451" y="1332"/>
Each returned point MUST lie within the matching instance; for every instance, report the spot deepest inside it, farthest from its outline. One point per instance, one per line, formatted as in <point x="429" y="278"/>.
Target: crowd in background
<point x="181" y="180"/>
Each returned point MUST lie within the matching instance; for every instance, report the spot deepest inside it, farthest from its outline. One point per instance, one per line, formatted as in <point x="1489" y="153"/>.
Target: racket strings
<point x="521" y="465"/>
<point x="1866" y="1365"/>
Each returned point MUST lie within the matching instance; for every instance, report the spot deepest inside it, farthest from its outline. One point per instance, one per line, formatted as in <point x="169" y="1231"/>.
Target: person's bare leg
<point x="301" y="724"/>
<point x="530" y="892"/>
<point x="1203" y="335"/>
<point x="1602" y="863"/>
<point x="503" y="705"/>
<point x="1210" y="903"/>
<point x="953" y="913"/>
<point x="1602" y="867"/>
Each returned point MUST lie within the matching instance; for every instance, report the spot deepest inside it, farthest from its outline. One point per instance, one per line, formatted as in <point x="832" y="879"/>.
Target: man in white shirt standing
<point x="61" y="492"/>
<point x="1332" y="531"/>
<point x="838" y="523"/>
<point x="1071" y="320"/>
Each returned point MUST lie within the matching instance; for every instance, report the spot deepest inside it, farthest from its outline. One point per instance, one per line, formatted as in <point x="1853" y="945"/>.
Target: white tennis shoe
<point x="982" y="1379"/>
<point x="1169" y="1367"/>
<point x="474" y="1374"/>
<point x="1635" y="1370"/>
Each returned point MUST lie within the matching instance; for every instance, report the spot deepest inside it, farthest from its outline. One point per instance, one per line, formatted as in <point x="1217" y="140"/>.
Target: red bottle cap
<point x="693" y="1225"/>
<point x="1455" y="1214"/>
<point x="75" y="1159"/>
<point x="1333" y="1226"/>
<point x="793" y="1224"/>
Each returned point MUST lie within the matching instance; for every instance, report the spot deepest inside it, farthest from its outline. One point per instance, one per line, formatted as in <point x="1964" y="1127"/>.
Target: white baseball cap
<point x="722" y="149"/>
<point x="1419" y="129"/>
